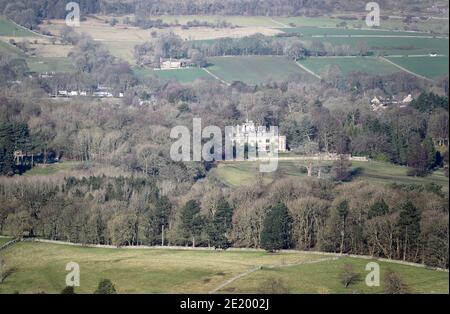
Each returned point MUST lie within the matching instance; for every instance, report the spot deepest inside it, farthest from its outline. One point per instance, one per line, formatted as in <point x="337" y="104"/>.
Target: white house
<point x="257" y="136"/>
<point x="172" y="64"/>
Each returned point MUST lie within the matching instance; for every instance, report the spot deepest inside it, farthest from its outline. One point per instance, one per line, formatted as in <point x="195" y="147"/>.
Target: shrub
<point x="348" y="275"/>
<point x="105" y="286"/>
<point x="68" y="290"/>
<point x="393" y="284"/>
<point x="273" y="286"/>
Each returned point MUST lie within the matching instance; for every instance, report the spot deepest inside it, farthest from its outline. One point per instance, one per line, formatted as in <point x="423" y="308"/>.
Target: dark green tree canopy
<point x="276" y="234"/>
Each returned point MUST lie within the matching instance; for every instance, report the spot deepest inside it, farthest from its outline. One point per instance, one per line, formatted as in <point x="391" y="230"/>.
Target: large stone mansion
<point x="257" y="136"/>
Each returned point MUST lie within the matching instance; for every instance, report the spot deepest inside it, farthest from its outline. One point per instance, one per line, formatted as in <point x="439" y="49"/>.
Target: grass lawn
<point x="8" y="28"/>
<point x="186" y="271"/>
<point x="245" y="173"/>
<point x="4" y="240"/>
<point x="182" y="75"/>
<point x="253" y="69"/>
<point x="50" y="64"/>
<point x="324" y="278"/>
<point x="430" y="67"/>
<point x="50" y="169"/>
<point x="131" y="270"/>
<point x="370" y="65"/>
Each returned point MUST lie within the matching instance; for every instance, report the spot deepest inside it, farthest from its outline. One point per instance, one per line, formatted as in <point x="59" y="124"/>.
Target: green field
<point x="8" y="28"/>
<point x="253" y="69"/>
<point x="38" y="64"/>
<point x="53" y="64"/>
<point x="245" y="173"/>
<point x="132" y="270"/>
<point x="370" y="65"/>
<point x="187" y="271"/>
<point x="430" y="67"/>
<point x="392" y="24"/>
<point x="51" y="169"/>
<point x="309" y="31"/>
<point x="390" y="45"/>
<point x="187" y="75"/>
<point x="324" y="278"/>
<point x="6" y="48"/>
<point x="4" y="240"/>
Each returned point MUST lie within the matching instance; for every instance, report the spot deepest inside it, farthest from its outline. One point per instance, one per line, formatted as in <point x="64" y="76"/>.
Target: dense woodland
<point x="128" y="187"/>
<point x="401" y="222"/>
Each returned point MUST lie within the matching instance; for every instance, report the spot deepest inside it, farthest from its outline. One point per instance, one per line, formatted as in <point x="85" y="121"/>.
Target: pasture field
<point x="370" y="65"/>
<point x="6" y="48"/>
<point x="333" y="31"/>
<point x="253" y="70"/>
<point x="408" y="45"/>
<point x="38" y="64"/>
<point x="121" y="39"/>
<point x="123" y="50"/>
<point x="186" y="75"/>
<point x="430" y="67"/>
<point x="323" y="277"/>
<point x="237" y="174"/>
<point x="132" y="270"/>
<point x="430" y="25"/>
<point x="50" y="64"/>
<point x="433" y="25"/>
<point x="135" y="270"/>
<point x="46" y="50"/>
<point x="9" y="29"/>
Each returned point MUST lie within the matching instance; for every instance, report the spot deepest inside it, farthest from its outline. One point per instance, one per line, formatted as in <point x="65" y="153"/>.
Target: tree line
<point x="172" y="46"/>
<point x="30" y="13"/>
<point x="398" y="222"/>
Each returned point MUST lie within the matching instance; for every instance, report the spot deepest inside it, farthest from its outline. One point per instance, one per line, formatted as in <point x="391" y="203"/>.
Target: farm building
<point x="257" y="136"/>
